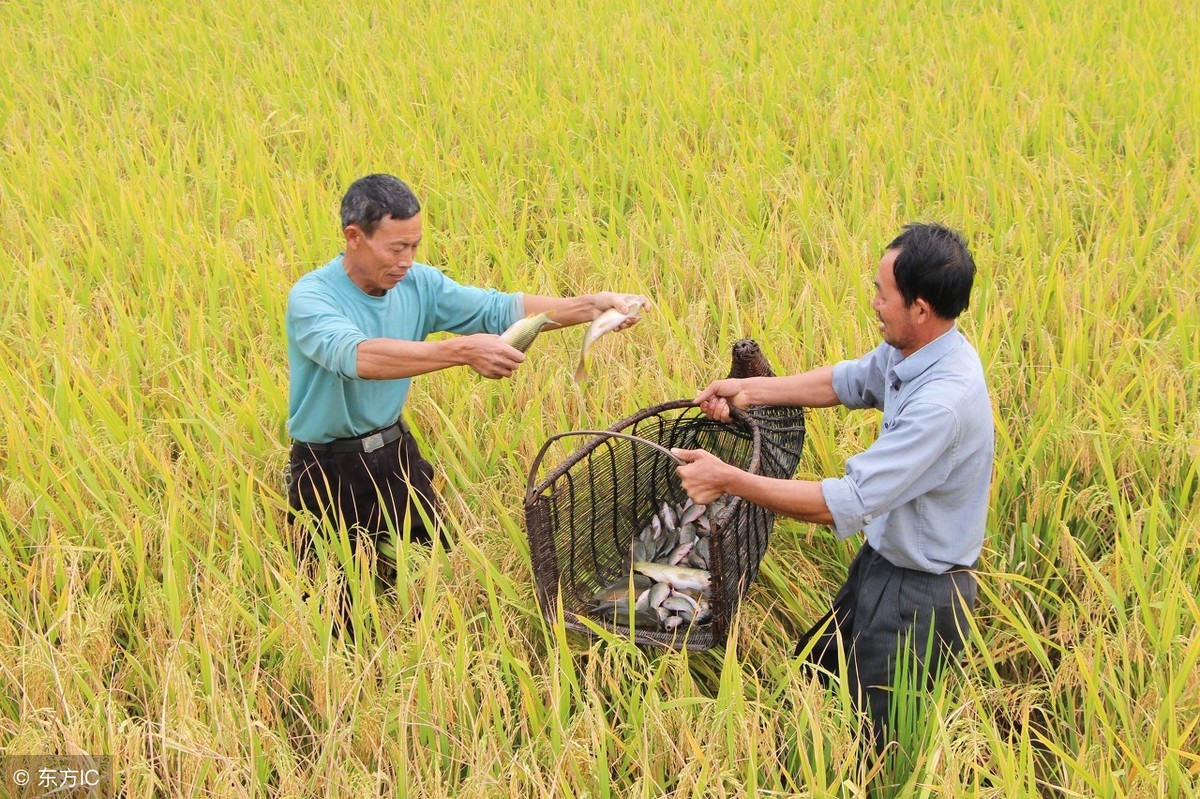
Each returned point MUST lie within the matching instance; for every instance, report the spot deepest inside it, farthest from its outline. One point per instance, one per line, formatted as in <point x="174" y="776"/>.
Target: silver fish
<point x="644" y="620"/>
<point x="687" y="615"/>
<point x="703" y="609"/>
<point x="620" y="614"/>
<point x="677" y="576"/>
<point x="619" y="591"/>
<point x="668" y="517"/>
<point x="680" y="603"/>
<point x="521" y="333"/>
<point x="679" y="553"/>
<point x="692" y="513"/>
<point x="665" y="545"/>
<point x="606" y="322"/>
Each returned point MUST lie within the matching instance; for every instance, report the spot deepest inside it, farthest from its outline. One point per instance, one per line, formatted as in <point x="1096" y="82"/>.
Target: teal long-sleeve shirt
<point x="328" y="317"/>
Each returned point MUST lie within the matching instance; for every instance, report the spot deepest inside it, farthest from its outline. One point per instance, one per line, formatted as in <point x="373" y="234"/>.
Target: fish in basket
<point x="614" y="537"/>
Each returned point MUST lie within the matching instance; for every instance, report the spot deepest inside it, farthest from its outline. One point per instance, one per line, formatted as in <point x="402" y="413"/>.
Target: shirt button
<point x="867" y="519"/>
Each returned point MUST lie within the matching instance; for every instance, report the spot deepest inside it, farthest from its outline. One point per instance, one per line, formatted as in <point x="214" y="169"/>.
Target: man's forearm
<point x="392" y="359"/>
<point x="800" y="499"/>
<point x="564" y="311"/>
<point x="812" y="389"/>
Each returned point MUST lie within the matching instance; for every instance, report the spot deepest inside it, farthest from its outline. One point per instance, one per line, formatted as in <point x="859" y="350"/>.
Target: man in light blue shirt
<point x="919" y="493"/>
<point x="356" y="336"/>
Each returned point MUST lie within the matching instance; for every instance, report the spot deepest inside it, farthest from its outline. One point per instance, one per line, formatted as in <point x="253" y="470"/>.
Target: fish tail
<point x="581" y="369"/>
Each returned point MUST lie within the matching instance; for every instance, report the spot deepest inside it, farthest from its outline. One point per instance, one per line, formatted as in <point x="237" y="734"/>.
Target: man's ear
<point x="923" y="309"/>
<point x="354" y="236"/>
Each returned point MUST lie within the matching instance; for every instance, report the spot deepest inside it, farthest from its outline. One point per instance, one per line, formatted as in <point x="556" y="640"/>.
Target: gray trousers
<point x="882" y="611"/>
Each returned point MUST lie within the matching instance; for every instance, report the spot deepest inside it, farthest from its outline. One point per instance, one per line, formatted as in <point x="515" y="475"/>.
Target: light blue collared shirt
<point x="920" y="492"/>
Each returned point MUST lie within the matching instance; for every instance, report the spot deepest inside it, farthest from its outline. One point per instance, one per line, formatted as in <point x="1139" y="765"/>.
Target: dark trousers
<point x="884" y="611"/>
<point x="364" y="493"/>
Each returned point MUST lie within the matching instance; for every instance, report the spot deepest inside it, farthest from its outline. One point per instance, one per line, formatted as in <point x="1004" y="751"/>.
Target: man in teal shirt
<point x="356" y="333"/>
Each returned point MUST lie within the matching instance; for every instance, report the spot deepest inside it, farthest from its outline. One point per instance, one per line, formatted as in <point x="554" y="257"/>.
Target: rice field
<point x="168" y="171"/>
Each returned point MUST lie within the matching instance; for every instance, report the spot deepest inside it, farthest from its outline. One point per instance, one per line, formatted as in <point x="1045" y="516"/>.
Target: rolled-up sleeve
<point x="860" y="383"/>
<point x="322" y="333"/>
<point x="909" y="459"/>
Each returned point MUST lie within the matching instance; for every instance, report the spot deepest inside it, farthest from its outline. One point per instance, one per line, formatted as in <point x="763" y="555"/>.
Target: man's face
<point x="897" y="322"/>
<point x="376" y="263"/>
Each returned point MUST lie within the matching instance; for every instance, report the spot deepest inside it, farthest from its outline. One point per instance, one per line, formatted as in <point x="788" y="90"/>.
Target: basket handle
<point x="537" y="461"/>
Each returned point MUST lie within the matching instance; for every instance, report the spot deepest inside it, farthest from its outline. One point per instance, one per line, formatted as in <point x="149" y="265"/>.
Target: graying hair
<point x="373" y="198"/>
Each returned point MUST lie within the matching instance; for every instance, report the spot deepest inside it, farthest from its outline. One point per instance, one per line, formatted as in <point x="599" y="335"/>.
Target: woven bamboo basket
<point x="581" y="517"/>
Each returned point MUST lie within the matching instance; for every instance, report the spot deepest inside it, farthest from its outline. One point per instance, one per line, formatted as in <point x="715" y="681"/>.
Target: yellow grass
<point x="166" y="173"/>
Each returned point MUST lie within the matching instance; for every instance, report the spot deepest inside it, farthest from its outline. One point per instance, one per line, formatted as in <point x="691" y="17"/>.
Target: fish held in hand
<point x="521" y="333"/>
<point x="606" y="322"/>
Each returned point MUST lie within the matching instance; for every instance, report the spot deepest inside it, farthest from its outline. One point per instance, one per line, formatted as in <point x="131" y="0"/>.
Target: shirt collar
<point x="912" y="366"/>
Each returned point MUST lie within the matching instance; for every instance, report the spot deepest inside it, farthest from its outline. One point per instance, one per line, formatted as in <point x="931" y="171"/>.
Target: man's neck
<point x="355" y="278"/>
<point x="943" y="327"/>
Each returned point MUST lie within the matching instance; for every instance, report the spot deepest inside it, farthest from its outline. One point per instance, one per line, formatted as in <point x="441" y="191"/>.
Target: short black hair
<point x="373" y="198"/>
<point x="934" y="264"/>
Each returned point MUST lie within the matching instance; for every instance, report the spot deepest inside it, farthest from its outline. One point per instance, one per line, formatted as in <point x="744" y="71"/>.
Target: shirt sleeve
<point x="860" y="383"/>
<point x="322" y="333"/>
<point x="466" y="309"/>
<point x="913" y="457"/>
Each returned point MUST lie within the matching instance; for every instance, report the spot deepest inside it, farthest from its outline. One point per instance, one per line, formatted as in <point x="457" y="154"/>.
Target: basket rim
<point x="737" y="416"/>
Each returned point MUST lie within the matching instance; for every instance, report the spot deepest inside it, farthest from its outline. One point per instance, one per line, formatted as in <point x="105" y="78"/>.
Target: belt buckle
<point x="372" y="442"/>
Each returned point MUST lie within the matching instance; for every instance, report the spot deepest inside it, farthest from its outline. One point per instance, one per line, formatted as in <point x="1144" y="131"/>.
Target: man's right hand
<point x="489" y="356"/>
<point x="716" y="400"/>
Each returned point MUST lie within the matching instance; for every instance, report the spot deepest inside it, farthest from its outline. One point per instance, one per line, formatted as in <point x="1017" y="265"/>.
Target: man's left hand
<point x="611" y="300"/>
<point x="704" y="476"/>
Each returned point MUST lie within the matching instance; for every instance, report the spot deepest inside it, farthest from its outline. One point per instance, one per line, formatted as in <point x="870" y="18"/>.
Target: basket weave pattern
<point x="582" y="516"/>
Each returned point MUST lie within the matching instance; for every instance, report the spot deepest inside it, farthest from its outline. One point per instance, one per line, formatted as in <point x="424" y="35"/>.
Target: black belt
<point x="368" y="443"/>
